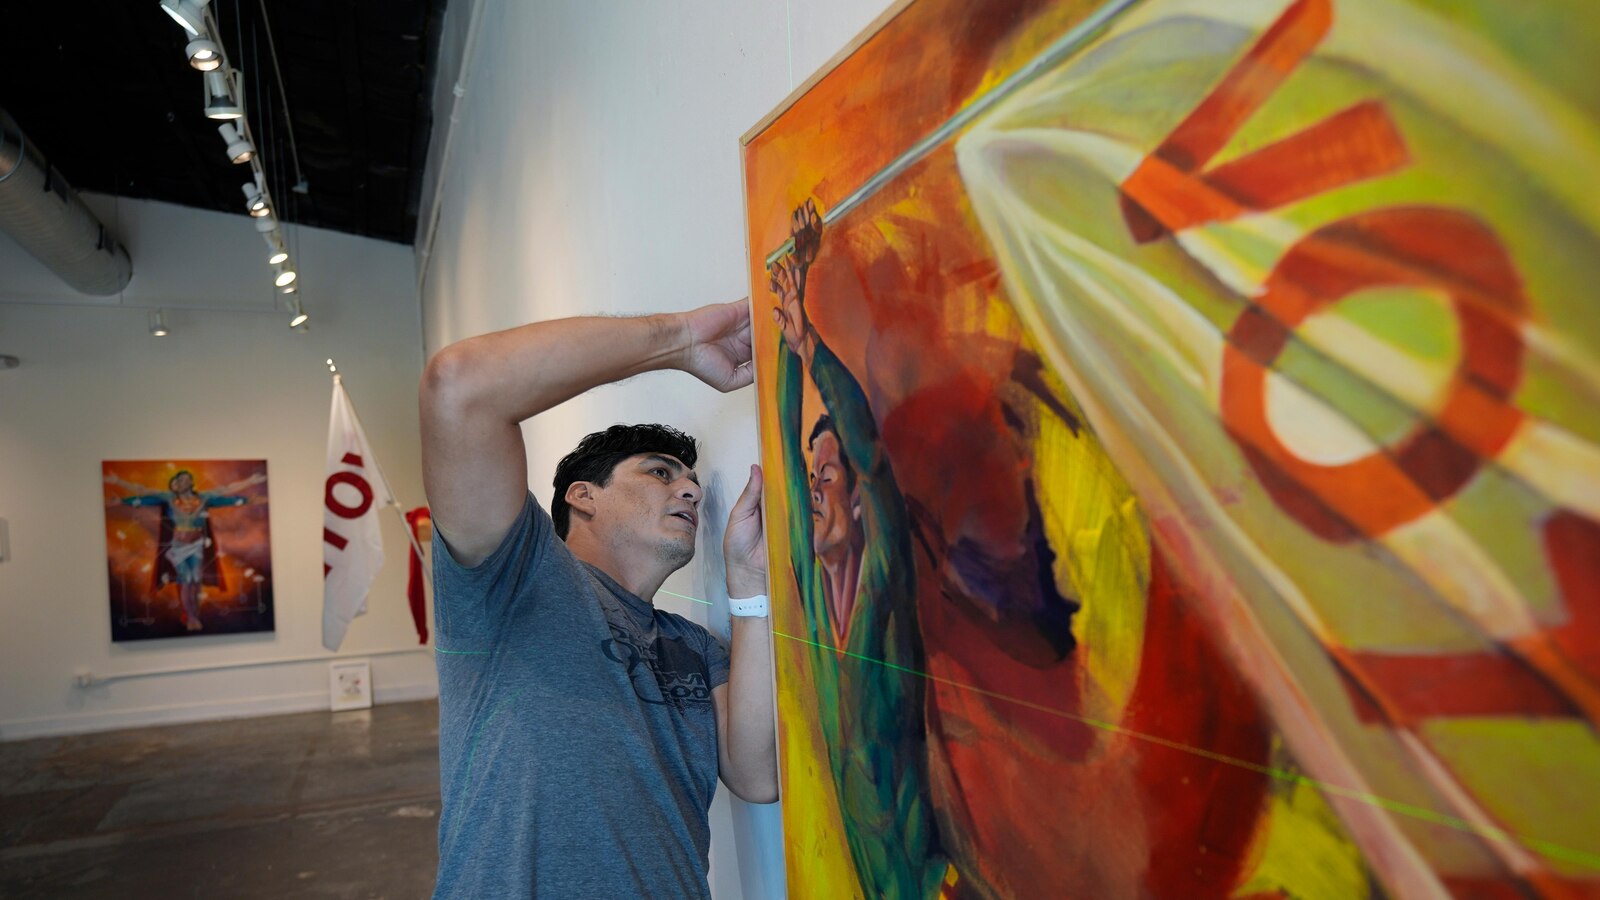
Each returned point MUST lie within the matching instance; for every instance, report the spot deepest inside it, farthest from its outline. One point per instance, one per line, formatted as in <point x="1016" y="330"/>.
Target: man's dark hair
<point x="825" y="424"/>
<point x="597" y="455"/>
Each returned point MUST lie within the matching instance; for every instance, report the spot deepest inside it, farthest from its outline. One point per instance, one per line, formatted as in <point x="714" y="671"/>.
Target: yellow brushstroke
<point x="1301" y="848"/>
<point x="1090" y="512"/>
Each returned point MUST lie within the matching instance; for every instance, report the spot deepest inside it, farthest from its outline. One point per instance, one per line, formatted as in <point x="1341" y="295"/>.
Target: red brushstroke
<point x="1360" y="142"/>
<point x="1425" y="686"/>
<point x="1168" y="193"/>
<point x="1572" y="542"/>
<point x="1248" y="84"/>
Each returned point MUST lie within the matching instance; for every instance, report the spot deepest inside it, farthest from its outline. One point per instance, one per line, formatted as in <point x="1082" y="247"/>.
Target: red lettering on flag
<point x="336" y="506"/>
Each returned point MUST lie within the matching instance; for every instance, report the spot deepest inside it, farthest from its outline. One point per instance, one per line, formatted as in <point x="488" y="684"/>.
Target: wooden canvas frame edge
<point x="761" y="450"/>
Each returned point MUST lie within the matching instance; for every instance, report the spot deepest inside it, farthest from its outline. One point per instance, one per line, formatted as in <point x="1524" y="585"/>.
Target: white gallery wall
<point x="589" y="164"/>
<point x="230" y="382"/>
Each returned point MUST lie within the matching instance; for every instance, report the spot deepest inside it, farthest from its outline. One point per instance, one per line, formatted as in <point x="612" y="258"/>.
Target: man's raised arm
<point x="476" y="393"/>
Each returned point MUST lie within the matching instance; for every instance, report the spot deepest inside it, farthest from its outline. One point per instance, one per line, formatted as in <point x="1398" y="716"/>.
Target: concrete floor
<point x="308" y="805"/>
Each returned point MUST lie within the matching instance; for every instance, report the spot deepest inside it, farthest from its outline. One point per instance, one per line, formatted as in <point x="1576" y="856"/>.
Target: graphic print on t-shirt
<point x="665" y="671"/>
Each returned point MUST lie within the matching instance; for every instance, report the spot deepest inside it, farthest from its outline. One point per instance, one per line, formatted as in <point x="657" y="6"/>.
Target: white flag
<point x="352" y="546"/>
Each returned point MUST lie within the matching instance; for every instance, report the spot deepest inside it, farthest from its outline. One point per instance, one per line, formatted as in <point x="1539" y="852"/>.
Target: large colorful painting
<point x="187" y="547"/>
<point x="1182" y="420"/>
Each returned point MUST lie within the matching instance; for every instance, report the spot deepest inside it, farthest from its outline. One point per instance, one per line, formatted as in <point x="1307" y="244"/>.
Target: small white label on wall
<point x="350" y="684"/>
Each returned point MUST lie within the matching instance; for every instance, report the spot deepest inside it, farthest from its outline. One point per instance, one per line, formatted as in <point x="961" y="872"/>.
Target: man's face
<point x="183" y="483"/>
<point x="835" y="505"/>
<point x="652" y="500"/>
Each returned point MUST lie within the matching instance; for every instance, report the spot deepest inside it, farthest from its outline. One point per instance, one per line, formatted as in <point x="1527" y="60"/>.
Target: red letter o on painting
<point x="1423" y="246"/>
<point x="355" y="481"/>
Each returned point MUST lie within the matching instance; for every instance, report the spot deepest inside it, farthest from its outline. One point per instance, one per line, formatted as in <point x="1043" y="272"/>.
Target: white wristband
<point x="749" y="606"/>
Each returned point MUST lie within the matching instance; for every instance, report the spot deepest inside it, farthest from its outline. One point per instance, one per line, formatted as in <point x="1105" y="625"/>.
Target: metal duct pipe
<point x="40" y="211"/>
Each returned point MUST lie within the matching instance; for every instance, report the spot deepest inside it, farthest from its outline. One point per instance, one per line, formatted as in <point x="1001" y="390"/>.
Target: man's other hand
<point x="717" y="345"/>
<point x="744" y="544"/>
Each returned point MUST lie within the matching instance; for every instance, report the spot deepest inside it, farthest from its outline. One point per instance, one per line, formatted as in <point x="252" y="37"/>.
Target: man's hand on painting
<point x="717" y="345"/>
<point x="744" y="545"/>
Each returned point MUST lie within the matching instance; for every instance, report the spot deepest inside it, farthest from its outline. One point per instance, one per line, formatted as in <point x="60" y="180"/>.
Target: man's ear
<point x="855" y="503"/>
<point x="581" y="497"/>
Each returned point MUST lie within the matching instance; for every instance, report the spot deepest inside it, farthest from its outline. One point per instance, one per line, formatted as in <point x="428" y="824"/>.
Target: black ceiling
<point x="104" y="89"/>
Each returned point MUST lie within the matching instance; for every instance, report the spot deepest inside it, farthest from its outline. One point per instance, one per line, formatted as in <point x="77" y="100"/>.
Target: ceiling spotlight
<point x="288" y="289"/>
<point x="255" y="202"/>
<point x="203" y="54"/>
<point x="267" y="225"/>
<point x="188" y="13"/>
<point x="219" y="97"/>
<point x="300" y="317"/>
<point x="285" y="277"/>
<point x="240" y="150"/>
<point x="158" y="323"/>
<point x="274" y="244"/>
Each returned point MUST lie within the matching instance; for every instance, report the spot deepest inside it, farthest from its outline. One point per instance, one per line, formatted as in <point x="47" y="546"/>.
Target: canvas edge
<point x="761" y="450"/>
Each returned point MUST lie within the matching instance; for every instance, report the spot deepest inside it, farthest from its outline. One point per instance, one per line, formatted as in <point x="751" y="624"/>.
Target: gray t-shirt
<point x="577" y="737"/>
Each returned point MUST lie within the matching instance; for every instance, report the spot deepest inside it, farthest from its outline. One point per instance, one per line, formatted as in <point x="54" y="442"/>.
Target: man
<point x="582" y="730"/>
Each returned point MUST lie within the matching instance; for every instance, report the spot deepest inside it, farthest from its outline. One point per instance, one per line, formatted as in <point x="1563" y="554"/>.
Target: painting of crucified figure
<point x="188" y="548"/>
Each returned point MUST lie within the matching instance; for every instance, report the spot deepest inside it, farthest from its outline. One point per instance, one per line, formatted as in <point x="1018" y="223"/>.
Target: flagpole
<point x="393" y="503"/>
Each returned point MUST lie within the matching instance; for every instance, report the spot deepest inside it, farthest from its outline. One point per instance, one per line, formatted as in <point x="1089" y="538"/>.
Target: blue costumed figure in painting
<point x="186" y="551"/>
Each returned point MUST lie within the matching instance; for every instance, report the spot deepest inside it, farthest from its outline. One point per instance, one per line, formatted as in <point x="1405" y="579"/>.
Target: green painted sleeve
<point x="883" y="506"/>
<point x="797" y="487"/>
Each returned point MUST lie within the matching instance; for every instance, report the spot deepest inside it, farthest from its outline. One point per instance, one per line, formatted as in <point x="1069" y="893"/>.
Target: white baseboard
<point x="206" y="711"/>
<point x="405" y="693"/>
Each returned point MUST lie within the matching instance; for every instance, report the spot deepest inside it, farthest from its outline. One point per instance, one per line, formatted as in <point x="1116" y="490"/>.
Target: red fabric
<point x="414" y="590"/>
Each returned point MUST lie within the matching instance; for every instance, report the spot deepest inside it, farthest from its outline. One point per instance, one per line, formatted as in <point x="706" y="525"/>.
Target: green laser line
<point x="1547" y="848"/>
<point x="684" y="596"/>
